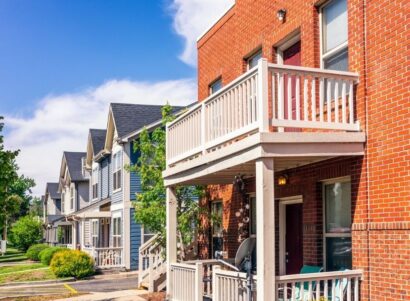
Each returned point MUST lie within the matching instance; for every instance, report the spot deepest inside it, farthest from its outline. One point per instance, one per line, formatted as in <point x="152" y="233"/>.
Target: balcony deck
<point x="296" y="115"/>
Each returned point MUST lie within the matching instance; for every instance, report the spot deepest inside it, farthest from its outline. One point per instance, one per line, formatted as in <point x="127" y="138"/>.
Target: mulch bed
<point x="154" y="296"/>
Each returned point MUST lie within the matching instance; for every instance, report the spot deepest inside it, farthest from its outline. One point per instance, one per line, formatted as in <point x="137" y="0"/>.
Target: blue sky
<point x="63" y="61"/>
<point x="51" y="47"/>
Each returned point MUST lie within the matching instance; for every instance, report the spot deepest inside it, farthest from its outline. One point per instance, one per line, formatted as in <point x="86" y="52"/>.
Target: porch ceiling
<point x="288" y="150"/>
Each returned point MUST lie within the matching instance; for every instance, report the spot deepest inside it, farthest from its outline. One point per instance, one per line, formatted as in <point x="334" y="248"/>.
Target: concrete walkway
<point x="125" y="295"/>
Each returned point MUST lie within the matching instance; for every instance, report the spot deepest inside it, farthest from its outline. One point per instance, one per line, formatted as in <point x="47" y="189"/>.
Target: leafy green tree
<point x="36" y="207"/>
<point x="150" y="205"/>
<point x="14" y="189"/>
<point x="26" y="231"/>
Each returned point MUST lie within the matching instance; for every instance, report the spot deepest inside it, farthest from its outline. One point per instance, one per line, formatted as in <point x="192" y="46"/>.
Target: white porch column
<point x="171" y="235"/>
<point x="265" y="233"/>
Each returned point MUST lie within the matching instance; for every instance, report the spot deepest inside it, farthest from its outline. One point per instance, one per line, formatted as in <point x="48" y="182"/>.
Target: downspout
<point x="367" y="139"/>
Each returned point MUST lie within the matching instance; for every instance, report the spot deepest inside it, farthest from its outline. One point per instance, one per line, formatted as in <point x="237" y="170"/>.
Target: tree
<point x="36" y="207"/>
<point x="151" y="202"/>
<point x="13" y="188"/>
<point x="26" y="231"/>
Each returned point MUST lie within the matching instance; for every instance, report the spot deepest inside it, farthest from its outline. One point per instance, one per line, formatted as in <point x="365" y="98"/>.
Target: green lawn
<point x="25" y="272"/>
<point x="29" y="275"/>
<point x="21" y="267"/>
<point x="12" y="255"/>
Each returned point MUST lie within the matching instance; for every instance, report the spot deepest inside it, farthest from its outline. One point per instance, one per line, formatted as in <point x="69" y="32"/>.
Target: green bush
<point x="34" y="251"/>
<point x="72" y="263"/>
<point x="47" y="254"/>
<point x="26" y="232"/>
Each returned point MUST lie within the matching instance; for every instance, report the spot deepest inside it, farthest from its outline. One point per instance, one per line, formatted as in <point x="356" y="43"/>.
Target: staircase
<point x="152" y="266"/>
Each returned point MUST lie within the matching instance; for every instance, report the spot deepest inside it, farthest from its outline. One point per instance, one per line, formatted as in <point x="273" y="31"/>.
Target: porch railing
<point x="189" y="282"/>
<point x="229" y="285"/>
<point x="108" y="257"/>
<point x="186" y="282"/>
<point x="151" y="263"/>
<point x="341" y="285"/>
<point x="278" y="95"/>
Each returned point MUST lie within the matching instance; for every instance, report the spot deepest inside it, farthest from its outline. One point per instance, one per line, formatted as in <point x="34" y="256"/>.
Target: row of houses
<point x="90" y="206"/>
<point x="301" y="136"/>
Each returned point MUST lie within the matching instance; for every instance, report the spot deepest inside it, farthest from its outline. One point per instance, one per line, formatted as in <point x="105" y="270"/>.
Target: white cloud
<point x="192" y="18"/>
<point x="61" y="122"/>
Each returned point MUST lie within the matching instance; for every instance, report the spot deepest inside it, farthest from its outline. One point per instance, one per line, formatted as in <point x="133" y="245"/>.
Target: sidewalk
<point x="126" y="295"/>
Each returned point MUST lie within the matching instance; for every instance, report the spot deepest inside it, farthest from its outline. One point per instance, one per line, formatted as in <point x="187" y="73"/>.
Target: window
<point x="117" y="232"/>
<point x="94" y="233"/>
<point x="117" y="171"/>
<point x="71" y="197"/>
<point x="337" y="225"/>
<point x="217" y="229"/>
<point x="215" y="86"/>
<point x="334" y="35"/>
<point x="63" y="202"/>
<point x="94" y="179"/>
<point x="253" y="60"/>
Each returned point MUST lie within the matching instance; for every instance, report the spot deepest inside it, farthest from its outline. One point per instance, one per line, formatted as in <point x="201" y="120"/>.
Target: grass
<point x="13" y="255"/>
<point x="28" y="275"/>
<point x="21" y="267"/>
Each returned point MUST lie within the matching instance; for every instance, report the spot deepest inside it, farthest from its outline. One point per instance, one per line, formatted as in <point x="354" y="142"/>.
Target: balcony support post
<point x="171" y="225"/>
<point x="265" y="233"/>
<point x="262" y="86"/>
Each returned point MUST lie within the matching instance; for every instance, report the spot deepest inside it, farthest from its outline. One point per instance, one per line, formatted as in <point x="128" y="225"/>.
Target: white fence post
<point x="263" y="107"/>
<point x="199" y="276"/>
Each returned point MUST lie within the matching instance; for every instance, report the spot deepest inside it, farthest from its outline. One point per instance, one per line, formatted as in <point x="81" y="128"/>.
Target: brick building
<point x="346" y="206"/>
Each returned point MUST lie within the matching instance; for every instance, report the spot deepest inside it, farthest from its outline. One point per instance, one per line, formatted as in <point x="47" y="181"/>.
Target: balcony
<point x="271" y="110"/>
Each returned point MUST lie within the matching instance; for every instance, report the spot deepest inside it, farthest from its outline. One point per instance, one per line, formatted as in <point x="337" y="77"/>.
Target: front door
<point x="291" y="56"/>
<point x="294" y="238"/>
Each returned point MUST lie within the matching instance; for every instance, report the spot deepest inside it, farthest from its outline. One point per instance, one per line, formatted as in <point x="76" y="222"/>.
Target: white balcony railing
<point x="281" y="96"/>
<point x="108" y="257"/>
<point x="190" y="283"/>
<point x="341" y="285"/>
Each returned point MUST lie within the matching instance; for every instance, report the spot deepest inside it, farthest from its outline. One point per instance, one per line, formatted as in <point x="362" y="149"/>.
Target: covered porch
<point x="99" y="236"/>
<point x="271" y="120"/>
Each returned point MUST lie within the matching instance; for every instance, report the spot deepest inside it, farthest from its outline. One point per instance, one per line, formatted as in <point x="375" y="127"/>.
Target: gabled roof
<point x="131" y="117"/>
<point x="97" y="137"/>
<point x="74" y="165"/>
<point x="52" y="189"/>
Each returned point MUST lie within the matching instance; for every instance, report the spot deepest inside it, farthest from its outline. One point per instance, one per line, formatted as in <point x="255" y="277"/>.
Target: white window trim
<point x="335" y="50"/>
<point x="326" y="235"/>
<point x="118" y="169"/>
<point x="72" y="198"/>
<point x="283" y="202"/>
<point x="120" y="236"/>
<point x="252" y="55"/>
<point x="219" y="78"/>
<point x="289" y="41"/>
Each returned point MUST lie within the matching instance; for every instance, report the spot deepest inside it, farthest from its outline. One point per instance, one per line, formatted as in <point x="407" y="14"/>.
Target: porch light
<point x="281" y="14"/>
<point x="282" y="180"/>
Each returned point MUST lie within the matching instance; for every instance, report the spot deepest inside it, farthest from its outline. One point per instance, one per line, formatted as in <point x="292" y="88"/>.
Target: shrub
<point x="72" y="263"/>
<point x="47" y="254"/>
<point x="26" y="232"/>
<point x="34" y="251"/>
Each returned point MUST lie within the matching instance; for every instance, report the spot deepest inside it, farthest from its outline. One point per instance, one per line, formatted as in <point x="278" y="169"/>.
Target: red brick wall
<point x="381" y="217"/>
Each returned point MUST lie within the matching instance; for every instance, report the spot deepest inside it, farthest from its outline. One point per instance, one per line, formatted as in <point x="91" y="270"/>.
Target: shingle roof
<point x="131" y="117"/>
<point x="97" y="140"/>
<point x="74" y="166"/>
<point x="52" y="189"/>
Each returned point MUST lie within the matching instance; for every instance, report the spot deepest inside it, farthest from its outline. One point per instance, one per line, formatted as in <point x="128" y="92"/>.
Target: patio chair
<point x="306" y="269"/>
